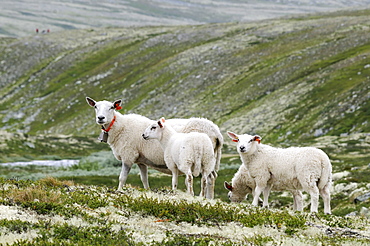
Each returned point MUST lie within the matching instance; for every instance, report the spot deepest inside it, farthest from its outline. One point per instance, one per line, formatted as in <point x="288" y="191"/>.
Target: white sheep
<point x="243" y="184"/>
<point x="188" y="153"/>
<point x="294" y="168"/>
<point x="128" y="145"/>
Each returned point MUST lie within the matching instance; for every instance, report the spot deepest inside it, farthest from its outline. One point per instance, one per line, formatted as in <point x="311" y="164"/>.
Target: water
<point x="59" y="163"/>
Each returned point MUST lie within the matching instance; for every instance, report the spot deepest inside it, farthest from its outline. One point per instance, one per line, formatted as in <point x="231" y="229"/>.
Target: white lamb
<point x="188" y="153"/>
<point x="243" y="184"/>
<point x="305" y="168"/>
<point x="128" y="145"/>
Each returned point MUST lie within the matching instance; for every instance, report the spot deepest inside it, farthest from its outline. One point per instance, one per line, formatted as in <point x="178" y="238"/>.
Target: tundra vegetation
<point x="299" y="81"/>
<point x="50" y="211"/>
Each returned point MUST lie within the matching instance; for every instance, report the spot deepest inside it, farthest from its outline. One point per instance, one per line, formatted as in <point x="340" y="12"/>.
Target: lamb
<point x="243" y="184"/>
<point x="129" y="147"/>
<point x="295" y="168"/>
<point x="190" y="153"/>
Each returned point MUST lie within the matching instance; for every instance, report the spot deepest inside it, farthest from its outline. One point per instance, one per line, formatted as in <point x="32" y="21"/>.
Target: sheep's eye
<point x="112" y="107"/>
<point x="95" y="107"/>
<point x="250" y="140"/>
<point x="153" y="128"/>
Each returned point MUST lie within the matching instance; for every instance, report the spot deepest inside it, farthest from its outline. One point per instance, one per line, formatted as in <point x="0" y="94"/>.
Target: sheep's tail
<point x="197" y="163"/>
<point x="326" y="173"/>
<point x="212" y="130"/>
<point x="219" y="143"/>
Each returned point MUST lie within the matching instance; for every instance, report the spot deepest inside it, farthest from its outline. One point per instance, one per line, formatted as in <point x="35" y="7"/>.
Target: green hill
<point x="289" y="80"/>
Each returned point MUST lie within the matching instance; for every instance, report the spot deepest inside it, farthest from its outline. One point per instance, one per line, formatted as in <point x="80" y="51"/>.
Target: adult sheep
<point x="243" y="184"/>
<point x="128" y="145"/>
<point x="188" y="153"/>
<point x="295" y="168"/>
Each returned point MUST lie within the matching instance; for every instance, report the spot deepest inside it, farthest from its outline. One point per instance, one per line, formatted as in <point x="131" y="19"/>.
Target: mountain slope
<point x="23" y="17"/>
<point x="286" y="79"/>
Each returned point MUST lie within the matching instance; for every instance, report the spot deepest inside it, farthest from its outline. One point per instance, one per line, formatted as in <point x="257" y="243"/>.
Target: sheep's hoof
<point x="119" y="191"/>
<point x="314" y="215"/>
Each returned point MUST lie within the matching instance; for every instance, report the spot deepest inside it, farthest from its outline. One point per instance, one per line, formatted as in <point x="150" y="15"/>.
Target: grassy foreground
<point x="54" y="212"/>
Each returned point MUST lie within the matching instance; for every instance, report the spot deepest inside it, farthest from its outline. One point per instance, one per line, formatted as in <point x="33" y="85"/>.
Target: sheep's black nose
<point x="101" y="117"/>
<point x="242" y="148"/>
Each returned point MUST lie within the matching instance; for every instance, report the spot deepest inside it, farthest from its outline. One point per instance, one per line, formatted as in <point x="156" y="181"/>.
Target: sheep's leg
<point x="175" y="175"/>
<point x="294" y="201"/>
<point x="257" y="192"/>
<point x="325" y="194"/>
<point x="253" y="194"/>
<point x="123" y="175"/>
<point x="266" y="194"/>
<point x="144" y="175"/>
<point x="314" y="193"/>
<point x="189" y="182"/>
<point x="203" y="185"/>
<point x="211" y="185"/>
<point x="297" y="200"/>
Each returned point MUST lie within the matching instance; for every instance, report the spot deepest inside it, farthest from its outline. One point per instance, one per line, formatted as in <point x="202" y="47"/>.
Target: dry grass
<point x="32" y="194"/>
<point x="53" y="182"/>
<point x="39" y="192"/>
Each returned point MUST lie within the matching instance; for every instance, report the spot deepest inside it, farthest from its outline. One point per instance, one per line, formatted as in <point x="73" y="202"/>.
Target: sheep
<point x="295" y="168"/>
<point x="129" y="147"/>
<point x="243" y="184"/>
<point x="190" y="153"/>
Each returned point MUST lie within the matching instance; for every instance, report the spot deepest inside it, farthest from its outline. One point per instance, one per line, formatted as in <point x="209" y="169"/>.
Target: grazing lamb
<point x="128" y="145"/>
<point x="243" y="184"/>
<point x="305" y="168"/>
<point x="189" y="153"/>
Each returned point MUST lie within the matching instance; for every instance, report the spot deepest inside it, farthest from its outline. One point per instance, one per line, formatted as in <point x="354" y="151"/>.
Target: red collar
<point x="110" y="125"/>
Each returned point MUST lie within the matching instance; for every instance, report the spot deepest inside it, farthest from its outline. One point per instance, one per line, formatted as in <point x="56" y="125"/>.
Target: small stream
<point x="58" y="163"/>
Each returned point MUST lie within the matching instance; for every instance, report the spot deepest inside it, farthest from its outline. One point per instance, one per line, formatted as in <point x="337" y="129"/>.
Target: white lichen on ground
<point x="146" y="228"/>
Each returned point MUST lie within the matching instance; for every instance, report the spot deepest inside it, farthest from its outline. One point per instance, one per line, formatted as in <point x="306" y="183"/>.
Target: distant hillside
<point x="289" y="80"/>
<point x="23" y="17"/>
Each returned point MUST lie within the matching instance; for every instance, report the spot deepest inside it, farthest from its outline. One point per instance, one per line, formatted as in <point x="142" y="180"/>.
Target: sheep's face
<point x="247" y="144"/>
<point x="237" y="195"/>
<point x="154" y="131"/>
<point x="104" y="110"/>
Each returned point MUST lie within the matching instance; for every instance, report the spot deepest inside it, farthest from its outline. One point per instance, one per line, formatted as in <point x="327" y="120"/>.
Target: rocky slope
<point x="288" y="79"/>
<point x="23" y="17"/>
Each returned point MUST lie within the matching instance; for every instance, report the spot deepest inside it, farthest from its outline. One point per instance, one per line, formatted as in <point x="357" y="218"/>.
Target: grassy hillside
<point x="287" y="80"/>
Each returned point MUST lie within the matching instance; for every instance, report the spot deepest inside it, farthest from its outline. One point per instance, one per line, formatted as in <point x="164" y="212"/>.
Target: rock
<point x="362" y="198"/>
<point x="338" y="176"/>
<point x="365" y="212"/>
<point x="344" y="188"/>
<point x="354" y="213"/>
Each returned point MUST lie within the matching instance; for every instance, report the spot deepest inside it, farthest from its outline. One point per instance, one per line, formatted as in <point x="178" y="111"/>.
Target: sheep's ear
<point x="160" y="123"/>
<point x="233" y="136"/>
<point x="228" y="186"/>
<point x="257" y="138"/>
<point x="117" y="104"/>
<point x="90" y="101"/>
